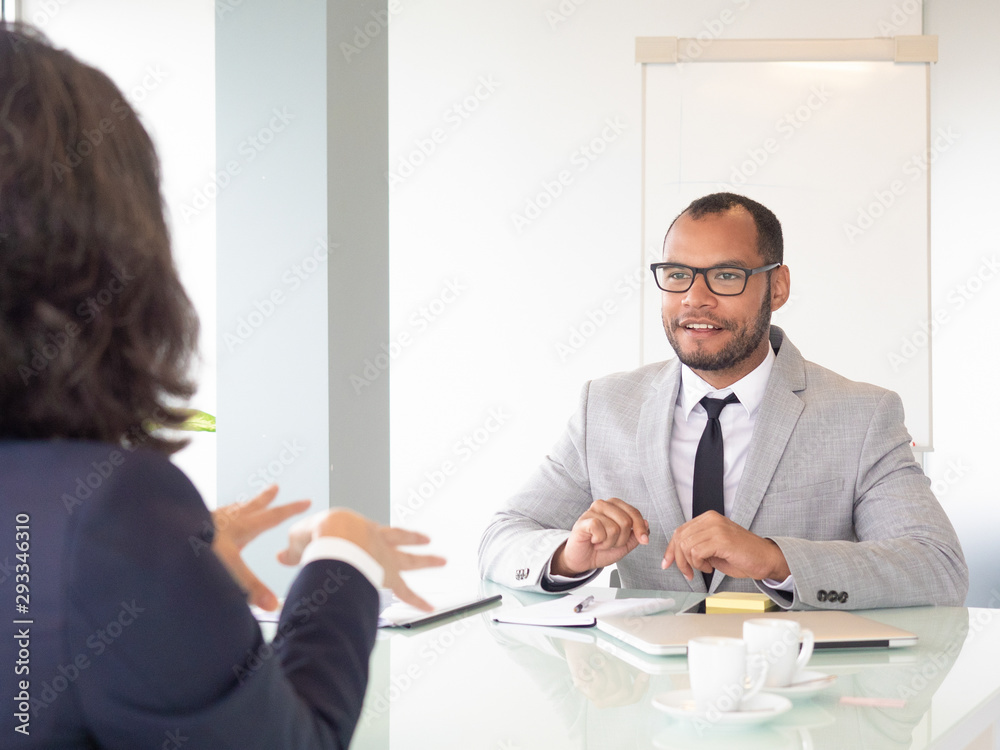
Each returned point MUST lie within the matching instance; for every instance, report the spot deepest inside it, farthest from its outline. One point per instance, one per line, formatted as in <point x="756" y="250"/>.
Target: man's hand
<point x="236" y="526"/>
<point x="381" y="542"/>
<point x="603" y="535"/>
<point x="713" y="541"/>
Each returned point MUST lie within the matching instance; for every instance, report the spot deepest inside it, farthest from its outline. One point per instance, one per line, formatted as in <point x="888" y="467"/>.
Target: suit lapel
<point x="778" y="414"/>
<point x="653" y="446"/>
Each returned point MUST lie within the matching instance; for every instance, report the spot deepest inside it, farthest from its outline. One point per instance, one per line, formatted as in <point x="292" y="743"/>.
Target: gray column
<point x="358" y="214"/>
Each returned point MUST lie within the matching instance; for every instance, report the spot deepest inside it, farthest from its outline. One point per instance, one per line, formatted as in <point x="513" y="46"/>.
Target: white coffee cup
<point x="718" y="668"/>
<point x="778" y="642"/>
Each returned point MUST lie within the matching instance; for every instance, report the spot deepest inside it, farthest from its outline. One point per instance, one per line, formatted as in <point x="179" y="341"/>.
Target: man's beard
<point x="744" y="341"/>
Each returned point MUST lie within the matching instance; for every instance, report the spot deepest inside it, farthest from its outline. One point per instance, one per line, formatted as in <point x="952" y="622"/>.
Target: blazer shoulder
<point x="822" y="378"/>
<point x="826" y="385"/>
<point x="89" y="470"/>
<point x="817" y="385"/>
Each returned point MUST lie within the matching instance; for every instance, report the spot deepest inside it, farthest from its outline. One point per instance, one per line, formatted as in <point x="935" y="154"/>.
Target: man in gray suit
<point x="822" y="503"/>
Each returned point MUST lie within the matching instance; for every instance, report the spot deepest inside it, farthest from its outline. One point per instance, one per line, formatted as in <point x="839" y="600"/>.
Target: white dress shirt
<point x="737" y="422"/>
<point x="690" y="418"/>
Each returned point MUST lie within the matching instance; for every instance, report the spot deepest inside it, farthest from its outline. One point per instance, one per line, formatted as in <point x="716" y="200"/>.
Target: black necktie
<point x="709" y="464"/>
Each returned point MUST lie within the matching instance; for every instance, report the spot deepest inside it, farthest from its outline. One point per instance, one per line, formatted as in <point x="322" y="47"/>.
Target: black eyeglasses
<point x="725" y="281"/>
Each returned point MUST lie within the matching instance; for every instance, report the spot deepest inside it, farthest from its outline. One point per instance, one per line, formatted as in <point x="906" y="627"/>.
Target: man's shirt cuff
<point x="550" y="577"/>
<point x="335" y="548"/>
<point x="787" y="585"/>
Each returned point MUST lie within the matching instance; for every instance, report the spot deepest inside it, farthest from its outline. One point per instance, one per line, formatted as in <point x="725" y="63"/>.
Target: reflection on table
<point x="470" y="682"/>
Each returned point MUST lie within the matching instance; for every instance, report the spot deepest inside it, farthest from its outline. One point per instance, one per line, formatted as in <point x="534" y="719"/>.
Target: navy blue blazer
<point x="132" y="634"/>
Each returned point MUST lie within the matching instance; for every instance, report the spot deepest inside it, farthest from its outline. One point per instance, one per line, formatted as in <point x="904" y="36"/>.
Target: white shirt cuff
<point x="550" y="577"/>
<point x="787" y="585"/>
<point x="335" y="548"/>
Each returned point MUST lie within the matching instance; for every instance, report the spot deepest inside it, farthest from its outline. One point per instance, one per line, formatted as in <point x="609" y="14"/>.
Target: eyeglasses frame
<point x="704" y="272"/>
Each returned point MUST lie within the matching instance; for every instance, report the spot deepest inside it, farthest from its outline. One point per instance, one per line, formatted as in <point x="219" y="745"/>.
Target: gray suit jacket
<point x="830" y="477"/>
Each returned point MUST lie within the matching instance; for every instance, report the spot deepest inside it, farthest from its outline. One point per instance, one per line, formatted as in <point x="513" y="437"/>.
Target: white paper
<point x="559" y="612"/>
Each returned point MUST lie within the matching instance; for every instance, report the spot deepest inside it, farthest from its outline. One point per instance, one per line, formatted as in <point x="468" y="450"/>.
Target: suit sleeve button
<point x="821" y="595"/>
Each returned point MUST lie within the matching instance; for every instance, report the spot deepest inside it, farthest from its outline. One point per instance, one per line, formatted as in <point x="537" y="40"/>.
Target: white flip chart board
<point x="840" y="151"/>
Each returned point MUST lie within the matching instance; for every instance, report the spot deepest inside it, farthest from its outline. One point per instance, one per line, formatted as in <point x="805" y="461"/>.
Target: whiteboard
<point x="838" y="150"/>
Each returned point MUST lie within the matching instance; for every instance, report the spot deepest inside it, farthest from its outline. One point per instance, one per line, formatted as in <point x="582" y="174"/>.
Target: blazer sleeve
<point x="522" y="537"/>
<point x="906" y="552"/>
<point x="166" y="648"/>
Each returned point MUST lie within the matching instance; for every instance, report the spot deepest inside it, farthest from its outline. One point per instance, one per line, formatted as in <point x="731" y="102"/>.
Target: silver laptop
<point x="666" y="635"/>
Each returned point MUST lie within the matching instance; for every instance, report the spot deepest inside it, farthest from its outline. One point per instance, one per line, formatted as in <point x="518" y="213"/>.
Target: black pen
<point x="584" y="604"/>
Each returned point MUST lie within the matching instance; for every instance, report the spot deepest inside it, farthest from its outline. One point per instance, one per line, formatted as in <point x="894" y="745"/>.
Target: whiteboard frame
<point x="901" y="49"/>
<point x="671" y="49"/>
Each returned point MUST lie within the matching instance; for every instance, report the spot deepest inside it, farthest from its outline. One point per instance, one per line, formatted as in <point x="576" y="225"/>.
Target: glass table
<point x="468" y="682"/>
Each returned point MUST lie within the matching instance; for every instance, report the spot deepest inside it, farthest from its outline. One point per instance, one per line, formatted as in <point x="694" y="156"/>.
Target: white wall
<point x="488" y="105"/>
<point x="965" y="267"/>
<point x="162" y="56"/>
<point x="552" y="81"/>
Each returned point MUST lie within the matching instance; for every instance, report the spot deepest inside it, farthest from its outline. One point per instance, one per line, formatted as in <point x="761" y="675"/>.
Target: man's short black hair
<point x="770" y="244"/>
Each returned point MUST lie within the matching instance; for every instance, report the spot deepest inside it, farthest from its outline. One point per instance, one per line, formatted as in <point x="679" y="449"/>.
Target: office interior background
<point x="406" y="345"/>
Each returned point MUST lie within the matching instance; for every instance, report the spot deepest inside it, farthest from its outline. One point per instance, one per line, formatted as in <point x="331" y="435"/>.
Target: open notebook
<point x="560" y="612"/>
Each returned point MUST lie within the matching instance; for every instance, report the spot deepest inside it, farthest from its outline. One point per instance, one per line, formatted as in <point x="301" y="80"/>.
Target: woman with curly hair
<point x="132" y="627"/>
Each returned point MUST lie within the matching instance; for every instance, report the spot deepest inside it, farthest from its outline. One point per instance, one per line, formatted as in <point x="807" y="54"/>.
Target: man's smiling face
<point x="721" y="338"/>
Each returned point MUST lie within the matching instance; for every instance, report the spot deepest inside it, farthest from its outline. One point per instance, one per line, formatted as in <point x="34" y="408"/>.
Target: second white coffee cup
<point x="718" y="670"/>
<point x="778" y="642"/>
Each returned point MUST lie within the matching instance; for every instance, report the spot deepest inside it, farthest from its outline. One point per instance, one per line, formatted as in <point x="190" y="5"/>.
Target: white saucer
<point x="806" y="683"/>
<point x="762" y="707"/>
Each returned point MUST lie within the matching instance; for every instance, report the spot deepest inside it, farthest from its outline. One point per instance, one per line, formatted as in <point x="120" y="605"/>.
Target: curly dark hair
<point x="770" y="243"/>
<point x="96" y="332"/>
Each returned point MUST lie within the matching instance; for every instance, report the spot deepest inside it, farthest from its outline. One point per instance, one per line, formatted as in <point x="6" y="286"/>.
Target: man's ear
<point x="780" y="287"/>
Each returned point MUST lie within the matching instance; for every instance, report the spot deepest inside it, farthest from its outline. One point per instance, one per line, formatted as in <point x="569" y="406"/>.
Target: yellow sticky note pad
<point x="735" y="601"/>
